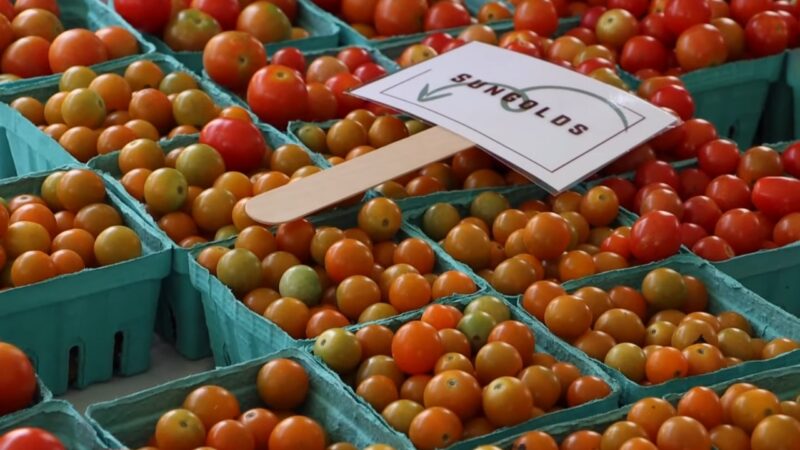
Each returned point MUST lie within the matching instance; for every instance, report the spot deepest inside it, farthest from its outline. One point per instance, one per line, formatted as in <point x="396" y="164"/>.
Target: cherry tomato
<point x="682" y="14"/>
<point x="701" y="46"/>
<point x="674" y="97"/>
<point x="437" y="41"/>
<point x="524" y="47"/>
<point x="741" y="228"/>
<point x="339" y="84"/>
<point x="697" y="133"/>
<point x="369" y="71"/>
<point x="231" y="58"/>
<point x="777" y="196"/>
<point x="693" y="182"/>
<point x="703" y="211"/>
<point x="353" y="57"/>
<point x="239" y="142"/>
<point x="657" y="172"/>
<point x="290" y="57"/>
<point x="713" y="248"/>
<point x="590" y="65"/>
<point x="150" y="16"/>
<point x="691" y="233"/>
<point x="277" y="94"/>
<point x="393" y="17"/>
<point x="636" y="7"/>
<point x="729" y="192"/>
<point x="791" y="160"/>
<point x="444" y="15"/>
<point x="536" y="15"/>
<point x="767" y="33"/>
<point x="655" y="25"/>
<point x="224" y="11"/>
<point x="592" y="15"/>
<point x="718" y="157"/>
<point x="645" y="52"/>
<point x="743" y="10"/>
<point x="654" y="236"/>
<point x="30" y="439"/>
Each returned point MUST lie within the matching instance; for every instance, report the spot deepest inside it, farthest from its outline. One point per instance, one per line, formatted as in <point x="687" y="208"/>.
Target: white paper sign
<point x="551" y="123"/>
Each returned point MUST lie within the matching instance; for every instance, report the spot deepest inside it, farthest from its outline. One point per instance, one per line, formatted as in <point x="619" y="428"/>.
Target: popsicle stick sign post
<point x="551" y="124"/>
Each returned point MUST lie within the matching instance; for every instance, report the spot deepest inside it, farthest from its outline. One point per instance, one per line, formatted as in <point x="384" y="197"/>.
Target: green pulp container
<point x="130" y="421"/>
<point x="96" y="322"/>
<point x="180" y="320"/>
<point x="724" y="294"/>
<point x="238" y="334"/>
<point x="60" y="419"/>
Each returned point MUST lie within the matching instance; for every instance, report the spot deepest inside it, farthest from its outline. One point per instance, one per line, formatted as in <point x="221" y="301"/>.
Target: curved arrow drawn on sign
<point x="426" y="94"/>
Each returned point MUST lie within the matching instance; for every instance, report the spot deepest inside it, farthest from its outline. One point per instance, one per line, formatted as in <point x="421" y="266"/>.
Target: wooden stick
<point x="329" y="187"/>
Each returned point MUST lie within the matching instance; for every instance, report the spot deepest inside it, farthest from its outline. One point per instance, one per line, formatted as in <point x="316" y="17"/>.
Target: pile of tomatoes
<point x="681" y="338"/>
<point x="33" y="41"/>
<point x="188" y="25"/>
<point x="67" y="228"/>
<point x="197" y="193"/>
<point x="211" y="416"/>
<point x="308" y="279"/>
<point x="729" y="204"/>
<point x="453" y="374"/>
<point x="513" y="247"/>
<point x="744" y="417"/>
<point x="95" y="114"/>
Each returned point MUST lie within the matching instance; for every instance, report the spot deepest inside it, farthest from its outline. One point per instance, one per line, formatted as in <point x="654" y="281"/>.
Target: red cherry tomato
<point x="290" y="57"/>
<point x="655" y="25"/>
<point x="393" y="17"/>
<point x="443" y="15"/>
<point x="624" y="189"/>
<point x="777" y="196"/>
<point x="791" y="160"/>
<point x="682" y="14"/>
<point x="536" y="15"/>
<point x="339" y="84"/>
<point x="742" y="229"/>
<point x="654" y="236"/>
<point x="617" y="243"/>
<point x="353" y="57"/>
<point x="437" y="41"/>
<point x="239" y="142"/>
<point x="232" y="57"/>
<point x="645" y="52"/>
<point x="693" y="182"/>
<point x="713" y="248"/>
<point x="638" y="199"/>
<point x="657" y="171"/>
<point x="718" y="157"/>
<point x="454" y="44"/>
<point x="674" y="97"/>
<point x="792" y="26"/>
<point x="691" y="233"/>
<point x="524" y="47"/>
<point x="703" y="211"/>
<point x="369" y="71"/>
<point x="743" y="10"/>
<point x="636" y="7"/>
<point x="766" y="33"/>
<point x="729" y="192"/>
<point x="30" y="439"/>
<point x="590" y="65"/>
<point x="17" y="379"/>
<point x="697" y="133"/>
<point x="225" y="11"/>
<point x="592" y="15"/>
<point x="277" y="94"/>
<point x="150" y="16"/>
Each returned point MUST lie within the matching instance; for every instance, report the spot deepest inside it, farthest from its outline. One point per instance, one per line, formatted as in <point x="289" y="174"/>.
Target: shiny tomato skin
<point x="741" y="228"/>
<point x="636" y="7"/>
<point x="644" y="52"/>
<point x="231" y="58"/>
<point x="437" y="41"/>
<point x="713" y="248"/>
<point x="743" y="10"/>
<point x="691" y="233"/>
<point x="624" y="189"/>
<point x="718" y="157"/>
<point x="277" y="94"/>
<point x="30" y="439"/>
<point x="17" y="379"/>
<point x="339" y="84"/>
<point x="369" y="71"/>
<point x="239" y="142"/>
<point x="655" y="25"/>
<point x="693" y="182"/>
<point x="767" y="33"/>
<point x="443" y="15"/>
<point x="703" y="211"/>
<point x="657" y="172"/>
<point x="792" y="27"/>
<point x="791" y="160"/>
<point x="729" y="192"/>
<point x="150" y="16"/>
<point x="536" y="15"/>
<point x="654" y="236"/>
<point x="225" y="11"/>
<point x="590" y="65"/>
<point x="676" y="98"/>
<point x="395" y="17"/>
<point x="290" y="57"/>
<point x="682" y="14"/>
<point x="592" y="15"/>
<point x="777" y="196"/>
<point x="353" y="57"/>
<point x="524" y="47"/>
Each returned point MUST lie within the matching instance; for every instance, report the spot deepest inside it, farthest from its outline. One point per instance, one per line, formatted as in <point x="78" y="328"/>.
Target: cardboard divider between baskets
<point x="59" y="418"/>
<point x="323" y="34"/>
<point x="181" y="319"/>
<point x="131" y="420"/>
<point x="545" y="342"/>
<point x="88" y="310"/>
<point x="733" y="96"/>
<point x="784" y="382"/>
<point x="238" y="334"/>
<point x="92" y="15"/>
<point x="725" y="294"/>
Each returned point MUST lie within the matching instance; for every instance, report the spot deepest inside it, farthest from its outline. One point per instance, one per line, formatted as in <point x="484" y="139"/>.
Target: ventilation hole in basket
<point x="226" y="357"/>
<point x="173" y="330"/>
<point x="119" y="339"/>
<point x="732" y="131"/>
<point x="74" y="365"/>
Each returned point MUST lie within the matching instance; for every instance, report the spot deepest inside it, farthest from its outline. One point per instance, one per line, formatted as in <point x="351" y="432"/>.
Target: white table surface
<point x="165" y="365"/>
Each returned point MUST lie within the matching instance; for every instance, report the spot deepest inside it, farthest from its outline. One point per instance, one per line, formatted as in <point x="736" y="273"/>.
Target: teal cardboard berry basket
<point x="546" y="343"/>
<point x="724" y="294"/>
<point x="93" y="323"/>
<point x="238" y="334"/>
<point x="92" y="15"/>
<point x="42" y="396"/>
<point x="323" y="34"/>
<point x="128" y="422"/>
<point x="60" y="419"/>
<point x="180" y="319"/>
